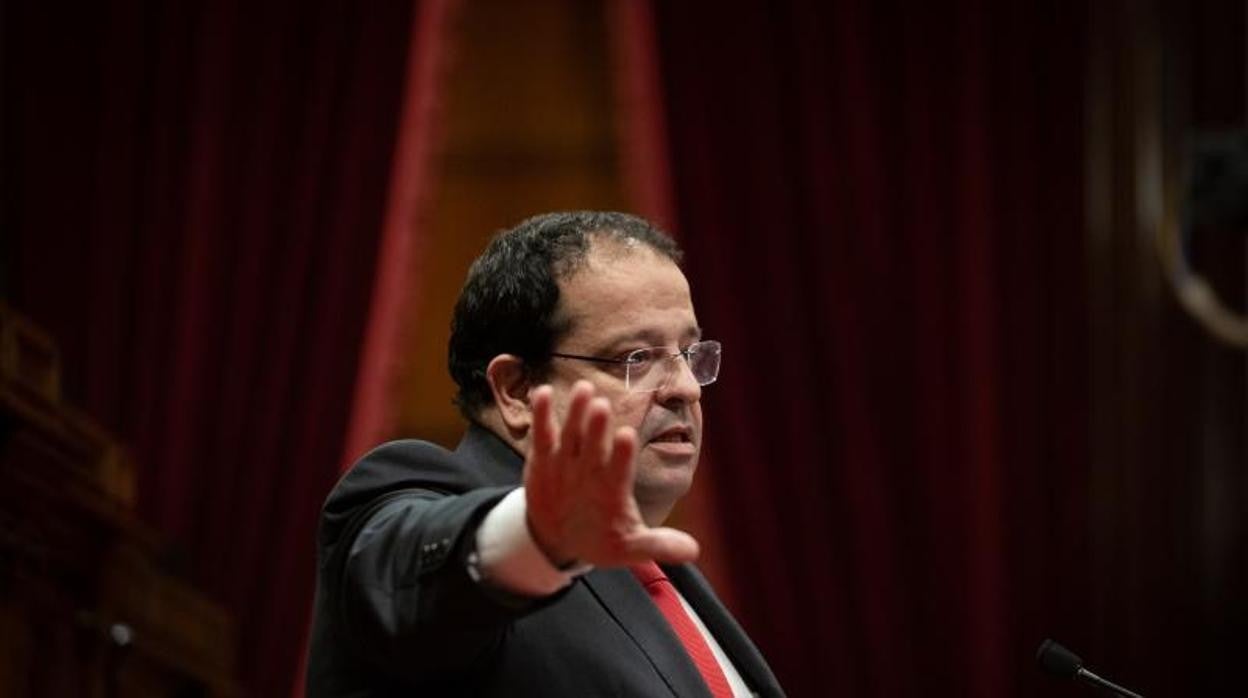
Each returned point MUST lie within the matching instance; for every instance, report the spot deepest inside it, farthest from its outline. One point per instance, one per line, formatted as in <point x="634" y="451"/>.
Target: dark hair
<point x="509" y="301"/>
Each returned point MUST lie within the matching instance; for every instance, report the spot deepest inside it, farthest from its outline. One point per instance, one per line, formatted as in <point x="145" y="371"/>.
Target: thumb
<point x="663" y="545"/>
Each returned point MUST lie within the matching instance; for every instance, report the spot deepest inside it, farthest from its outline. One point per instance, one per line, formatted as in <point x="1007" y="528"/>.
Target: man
<point x="580" y="367"/>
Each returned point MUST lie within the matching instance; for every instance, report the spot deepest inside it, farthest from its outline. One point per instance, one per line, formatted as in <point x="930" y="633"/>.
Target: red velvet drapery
<point x="194" y="194"/>
<point x="881" y="205"/>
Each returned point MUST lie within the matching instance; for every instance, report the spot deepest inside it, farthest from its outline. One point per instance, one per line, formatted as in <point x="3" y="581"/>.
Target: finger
<point x="571" y="435"/>
<point x="596" y="422"/>
<point x="620" y="464"/>
<point x="545" y="431"/>
<point x="663" y="545"/>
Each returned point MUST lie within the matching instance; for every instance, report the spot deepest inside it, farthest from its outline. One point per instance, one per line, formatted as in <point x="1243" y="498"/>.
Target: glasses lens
<point x="704" y="361"/>
<point x="642" y="375"/>
<point x="649" y="369"/>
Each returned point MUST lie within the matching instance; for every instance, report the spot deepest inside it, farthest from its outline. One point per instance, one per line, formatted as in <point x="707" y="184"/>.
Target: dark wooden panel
<point x="1169" y="489"/>
<point x="85" y="607"/>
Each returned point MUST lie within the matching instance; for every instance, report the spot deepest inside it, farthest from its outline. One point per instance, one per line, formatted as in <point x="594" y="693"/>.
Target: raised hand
<point x="578" y="483"/>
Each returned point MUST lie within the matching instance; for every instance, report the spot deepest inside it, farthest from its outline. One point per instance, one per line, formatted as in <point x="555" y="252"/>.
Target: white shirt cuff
<point x="508" y="557"/>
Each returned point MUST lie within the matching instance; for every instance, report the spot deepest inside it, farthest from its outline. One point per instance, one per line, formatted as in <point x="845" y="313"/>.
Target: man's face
<point x="628" y="298"/>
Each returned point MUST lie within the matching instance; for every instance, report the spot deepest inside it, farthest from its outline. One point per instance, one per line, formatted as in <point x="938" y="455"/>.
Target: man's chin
<point x="663" y="478"/>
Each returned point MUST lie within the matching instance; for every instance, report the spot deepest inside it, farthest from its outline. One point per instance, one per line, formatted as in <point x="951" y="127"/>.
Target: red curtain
<point x="882" y="209"/>
<point x="194" y="194"/>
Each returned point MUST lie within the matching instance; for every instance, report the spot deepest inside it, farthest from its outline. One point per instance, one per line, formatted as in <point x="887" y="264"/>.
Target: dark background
<point x="960" y="410"/>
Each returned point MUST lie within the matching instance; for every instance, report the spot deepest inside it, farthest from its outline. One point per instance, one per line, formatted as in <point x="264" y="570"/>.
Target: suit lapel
<point x="736" y="644"/>
<point x="629" y="604"/>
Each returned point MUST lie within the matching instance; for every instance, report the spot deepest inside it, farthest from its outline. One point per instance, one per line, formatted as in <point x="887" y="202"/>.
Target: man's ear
<point x="510" y="384"/>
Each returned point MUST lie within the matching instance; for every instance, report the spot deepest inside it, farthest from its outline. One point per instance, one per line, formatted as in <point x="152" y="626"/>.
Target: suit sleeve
<point x="397" y="573"/>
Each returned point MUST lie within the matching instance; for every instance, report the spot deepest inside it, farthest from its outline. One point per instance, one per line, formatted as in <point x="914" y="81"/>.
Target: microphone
<point x="1063" y="663"/>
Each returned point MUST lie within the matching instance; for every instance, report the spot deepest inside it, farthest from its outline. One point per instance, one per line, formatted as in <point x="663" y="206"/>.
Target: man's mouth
<point x="674" y="435"/>
<point x="674" y="443"/>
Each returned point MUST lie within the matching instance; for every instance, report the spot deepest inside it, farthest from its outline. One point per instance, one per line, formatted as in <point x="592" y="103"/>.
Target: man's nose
<point x="680" y="385"/>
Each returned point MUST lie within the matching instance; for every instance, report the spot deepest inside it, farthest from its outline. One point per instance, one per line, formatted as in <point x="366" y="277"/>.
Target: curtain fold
<point x="881" y="205"/>
<point x="198" y="197"/>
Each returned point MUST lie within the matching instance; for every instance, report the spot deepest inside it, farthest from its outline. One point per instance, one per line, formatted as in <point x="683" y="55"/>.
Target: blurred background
<point x="961" y="409"/>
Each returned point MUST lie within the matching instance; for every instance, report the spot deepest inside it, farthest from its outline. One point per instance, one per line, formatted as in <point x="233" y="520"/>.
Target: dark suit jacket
<point x="397" y="613"/>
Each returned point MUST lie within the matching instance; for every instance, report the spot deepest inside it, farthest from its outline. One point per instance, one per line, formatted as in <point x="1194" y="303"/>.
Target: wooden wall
<point x="1168" y="504"/>
<point x="527" y="126"/>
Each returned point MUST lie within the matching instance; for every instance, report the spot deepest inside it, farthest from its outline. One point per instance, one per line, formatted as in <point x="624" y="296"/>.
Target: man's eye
<point x="639" y="356"/>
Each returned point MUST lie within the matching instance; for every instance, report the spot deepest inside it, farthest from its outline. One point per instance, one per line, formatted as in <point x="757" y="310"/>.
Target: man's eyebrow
<point x="651" y="337"/>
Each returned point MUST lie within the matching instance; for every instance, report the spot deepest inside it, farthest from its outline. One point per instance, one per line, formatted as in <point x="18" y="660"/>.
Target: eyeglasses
<point x="649" y="369"/>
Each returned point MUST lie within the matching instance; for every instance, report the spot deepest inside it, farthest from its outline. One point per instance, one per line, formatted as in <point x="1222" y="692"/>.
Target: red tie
<point x="664" y="595"/>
